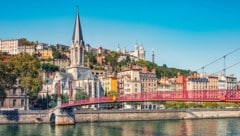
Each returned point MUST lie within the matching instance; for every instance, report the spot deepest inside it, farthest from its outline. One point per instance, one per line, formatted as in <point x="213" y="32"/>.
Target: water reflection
<point x="205" y="127"/>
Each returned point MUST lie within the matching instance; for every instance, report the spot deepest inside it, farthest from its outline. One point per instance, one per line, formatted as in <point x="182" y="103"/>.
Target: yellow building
<point x="46" y="54"/>
<point x="109" y="83"/>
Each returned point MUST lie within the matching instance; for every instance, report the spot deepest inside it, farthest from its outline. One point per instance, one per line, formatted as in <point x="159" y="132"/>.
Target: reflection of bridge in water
<point x="187" y="96"/>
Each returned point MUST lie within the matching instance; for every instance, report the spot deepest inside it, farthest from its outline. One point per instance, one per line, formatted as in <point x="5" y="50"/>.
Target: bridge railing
<point x="197" y="95"/>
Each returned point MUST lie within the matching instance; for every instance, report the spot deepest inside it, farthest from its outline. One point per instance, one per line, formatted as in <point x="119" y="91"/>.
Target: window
<point x="22" y="102"/>
<point x="14" y="102"/>
<point x="2" y="103"/>
<point x="22" y="91"/>
<point x="14" y="91"/>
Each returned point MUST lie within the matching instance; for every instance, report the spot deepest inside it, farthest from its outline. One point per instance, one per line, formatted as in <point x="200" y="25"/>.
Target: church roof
<point x="65" y="76"/>
<point x="77" y="31"/>
<point x="49" y="81"/>
<point x="66" y="85"/>
<point x="84" y="74"/>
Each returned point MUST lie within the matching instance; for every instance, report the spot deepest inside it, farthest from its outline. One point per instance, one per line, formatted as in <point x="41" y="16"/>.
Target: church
<point x="77" y="77"/>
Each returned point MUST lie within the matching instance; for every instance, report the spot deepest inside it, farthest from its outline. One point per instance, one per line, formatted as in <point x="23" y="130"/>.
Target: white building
<point x="197" y="82"/>
<point x="129" y="81"/>
<point x="10" y="46"/>
<point x="137" y="54"/>
<point x="227" y="82"/>
<point x="42" y="46"/>
<point x="27" y="49"/>
<point x="136" y="80"/>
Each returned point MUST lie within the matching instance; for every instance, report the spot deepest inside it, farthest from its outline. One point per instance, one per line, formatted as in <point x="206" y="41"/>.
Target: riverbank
<point x="8" y="117"/>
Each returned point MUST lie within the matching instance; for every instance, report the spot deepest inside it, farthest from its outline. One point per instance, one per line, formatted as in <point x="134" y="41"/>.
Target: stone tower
<point x="141" y="53"/>
<point x="153" y="56"/>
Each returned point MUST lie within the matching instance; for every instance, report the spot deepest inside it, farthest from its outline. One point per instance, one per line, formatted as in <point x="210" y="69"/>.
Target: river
<point x="203" y="127"/>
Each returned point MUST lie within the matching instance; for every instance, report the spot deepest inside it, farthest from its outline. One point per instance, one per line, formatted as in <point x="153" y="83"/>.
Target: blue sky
<point x="184" y="33"/>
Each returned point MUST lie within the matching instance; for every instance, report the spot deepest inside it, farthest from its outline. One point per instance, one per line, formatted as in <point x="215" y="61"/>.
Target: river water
<point x="203" y="127"/>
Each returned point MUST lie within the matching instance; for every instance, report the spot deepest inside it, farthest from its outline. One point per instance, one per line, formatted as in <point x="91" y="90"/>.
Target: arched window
<point x="76" y="55"/>
<point x="81" y="55"/>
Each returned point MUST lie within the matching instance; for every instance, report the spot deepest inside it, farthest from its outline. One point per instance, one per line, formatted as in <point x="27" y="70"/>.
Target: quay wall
<point x="10" y="117"/>
<point x="134" y="115"/>
<point x="24" y="117"/>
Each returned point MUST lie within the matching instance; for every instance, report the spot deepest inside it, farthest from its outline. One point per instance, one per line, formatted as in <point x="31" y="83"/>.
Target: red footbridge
<point x="181" y="96"/>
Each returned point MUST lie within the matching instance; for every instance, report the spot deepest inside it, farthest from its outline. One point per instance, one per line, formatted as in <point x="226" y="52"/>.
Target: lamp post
<point x="47" y="97"/>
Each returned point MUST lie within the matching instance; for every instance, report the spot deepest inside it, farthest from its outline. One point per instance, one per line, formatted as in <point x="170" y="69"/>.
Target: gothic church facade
<point x="78" y="77"/>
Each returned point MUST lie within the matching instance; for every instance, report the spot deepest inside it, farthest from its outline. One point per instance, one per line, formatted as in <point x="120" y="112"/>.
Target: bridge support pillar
<point x="63" y="116"/>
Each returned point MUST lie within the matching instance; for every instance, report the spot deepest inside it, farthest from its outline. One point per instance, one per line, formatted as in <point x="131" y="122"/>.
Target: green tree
<point x="26" y="68"/>
<point x="43" y="103"/>
<point x="163" y="71"/>
<point x="111" y="59"/>
<point x="64" y="97"/>
<point x="56" y="54"/>
<point x="112" y="93"/>
<point x="7" y="79"/>
<point x="164" y="66"/>
<point x="53" y="101"/>
<point x="54" y="98"/>
<point x="2" y="94"/>
<point x="24" y="41"/>
<point x="91" y="58"/>
<point x="62" y="70"/>
<point x="48" y="68"/>
<point x="81" y="95"/>
<point x="128" y="60"/>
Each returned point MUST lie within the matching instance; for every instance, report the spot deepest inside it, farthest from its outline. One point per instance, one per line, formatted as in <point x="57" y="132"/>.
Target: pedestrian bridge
<point x="64" y="114"/>
<point x="184" y="96"/>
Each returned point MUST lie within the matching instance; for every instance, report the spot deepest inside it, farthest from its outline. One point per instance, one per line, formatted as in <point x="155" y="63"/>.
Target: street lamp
<point x="47" y="97"/>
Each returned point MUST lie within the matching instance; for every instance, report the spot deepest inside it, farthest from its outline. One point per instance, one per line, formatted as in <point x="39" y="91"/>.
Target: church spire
<point x="77" y="46"/>
<point x="77" y="31"/>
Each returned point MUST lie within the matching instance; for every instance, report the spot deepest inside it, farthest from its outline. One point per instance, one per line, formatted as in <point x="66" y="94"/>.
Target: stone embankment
<point x="119" y="115"/>
<point x="15" y="116"/>
<point x="92" y="116"/>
